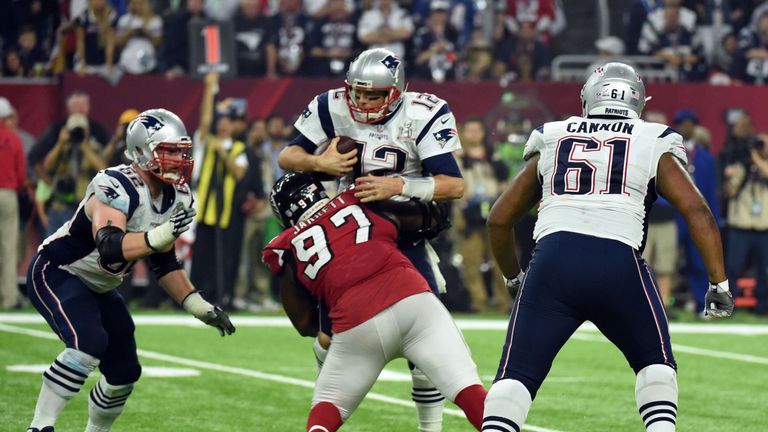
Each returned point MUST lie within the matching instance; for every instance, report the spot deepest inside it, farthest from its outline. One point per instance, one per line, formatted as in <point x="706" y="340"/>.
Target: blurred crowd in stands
<point x="236" y="164"/>
<point x="723" y="41"/>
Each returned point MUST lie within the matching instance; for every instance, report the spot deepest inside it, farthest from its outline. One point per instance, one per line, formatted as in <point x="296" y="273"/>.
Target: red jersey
<point x="13" y="165"/>
<point x="347" y="257"/>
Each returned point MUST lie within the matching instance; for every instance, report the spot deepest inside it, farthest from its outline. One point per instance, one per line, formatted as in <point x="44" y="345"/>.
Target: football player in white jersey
<point x="596" y="177"/>
<point x="405" y="144"/>
<point x="128" y="212"/>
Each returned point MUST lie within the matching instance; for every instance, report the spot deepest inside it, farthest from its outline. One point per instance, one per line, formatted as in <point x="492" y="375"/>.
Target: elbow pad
<point x="163" y="263"/>
<point x="109" y="242"/>
<point x="435" y="218"/>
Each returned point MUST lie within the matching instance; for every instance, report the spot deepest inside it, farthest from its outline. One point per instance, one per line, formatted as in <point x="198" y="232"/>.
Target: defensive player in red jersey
<point x="344" y="254"/>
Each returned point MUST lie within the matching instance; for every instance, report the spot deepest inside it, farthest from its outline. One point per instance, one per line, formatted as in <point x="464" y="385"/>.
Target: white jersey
<point x="421" y="127"/>
<point x="72" y="246"/>
<point x="598" y="175"/>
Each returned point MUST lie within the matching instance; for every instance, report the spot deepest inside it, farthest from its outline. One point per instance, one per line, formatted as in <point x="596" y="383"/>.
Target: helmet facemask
<point x="171" y="162"/>
<point x="373" y="114"/>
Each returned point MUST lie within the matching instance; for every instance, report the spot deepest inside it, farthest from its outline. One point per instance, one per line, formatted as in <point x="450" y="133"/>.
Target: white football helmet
<point x="157" y="142"/>
<point x="613" y="89"/>
<point x="375" y="69"/>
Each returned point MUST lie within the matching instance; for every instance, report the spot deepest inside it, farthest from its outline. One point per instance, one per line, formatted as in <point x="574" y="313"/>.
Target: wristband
<point x="146" y="240"/>
<point x="518" y="276"/>
<point x="722" y="285"/>
<point x="421" y="188"/>
<point x="195" y="304"/>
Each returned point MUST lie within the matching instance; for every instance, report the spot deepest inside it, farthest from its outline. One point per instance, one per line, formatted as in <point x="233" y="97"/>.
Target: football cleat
<point x="45" y="429"/>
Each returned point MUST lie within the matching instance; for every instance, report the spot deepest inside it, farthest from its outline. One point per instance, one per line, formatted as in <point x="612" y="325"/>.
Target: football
<point x="346" y="144"/>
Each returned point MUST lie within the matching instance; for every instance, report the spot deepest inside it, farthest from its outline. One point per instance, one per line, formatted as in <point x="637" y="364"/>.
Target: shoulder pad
<point x="116" y="190"/>
<point x="421" y="106"/>
<point x="184" y="194"/>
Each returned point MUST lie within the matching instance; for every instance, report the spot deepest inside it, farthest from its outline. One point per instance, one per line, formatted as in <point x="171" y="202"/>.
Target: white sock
<point x="61" y="381"/>
<point x="429" y="402"/>
<point x="506" y="406"/>
<point x="656" y="395"/>
<point x="320" y="354"/>
<point x="105" y="403"/>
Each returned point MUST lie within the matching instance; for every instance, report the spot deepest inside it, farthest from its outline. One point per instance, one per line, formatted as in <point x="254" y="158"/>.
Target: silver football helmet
<point x="613" y="89"/>
<point x="376" y="69"/>
<point x="157" y="141"/>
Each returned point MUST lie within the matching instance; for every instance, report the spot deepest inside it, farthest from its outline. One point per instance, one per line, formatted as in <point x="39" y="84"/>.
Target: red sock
<point x="471" y="400"/>
<point x="325" y="417"/>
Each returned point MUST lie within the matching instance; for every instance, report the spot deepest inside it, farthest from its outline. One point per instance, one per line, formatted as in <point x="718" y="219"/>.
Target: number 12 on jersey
<point x="578" y="166"/>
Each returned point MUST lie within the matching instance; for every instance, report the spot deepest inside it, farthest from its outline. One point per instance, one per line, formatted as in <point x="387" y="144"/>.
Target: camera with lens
<point x="77" y="124"/>
<point x="77" y="134"/>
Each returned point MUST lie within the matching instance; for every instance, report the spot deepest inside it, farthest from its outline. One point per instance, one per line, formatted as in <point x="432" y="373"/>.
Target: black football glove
<point x="718" y="300"/>
<point x="219" y="319"/>
<point x="513" y="284"/>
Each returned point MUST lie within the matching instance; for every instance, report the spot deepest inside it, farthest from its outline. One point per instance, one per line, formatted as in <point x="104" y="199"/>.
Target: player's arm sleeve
<point x="314" y="125"/>
<point x="439" y="135"/>
<point x="669" y="141"/>
<point x="163" y="263"/>
<point x="273" y="259"/>
<point x="534" y="145"/>
<point x="444" y="163"/>
<point x="115" y="190"/>
<point x="303" y="142"/>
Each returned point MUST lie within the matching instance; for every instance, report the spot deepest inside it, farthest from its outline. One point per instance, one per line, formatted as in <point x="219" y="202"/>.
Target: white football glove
<point x="718" y="300"/>
<point x="513" y="284"/>
<point x="212" y="315"/>
<point x="162" y="237"/>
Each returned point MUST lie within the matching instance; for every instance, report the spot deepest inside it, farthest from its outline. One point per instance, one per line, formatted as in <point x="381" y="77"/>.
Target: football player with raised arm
<point x="405" y="144"/>
<point x="128" y="212"/>
<point x="596" y="176"/>
<point x="344" y="254"/>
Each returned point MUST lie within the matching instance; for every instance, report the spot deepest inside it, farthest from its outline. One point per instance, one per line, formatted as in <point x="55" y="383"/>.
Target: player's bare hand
<point x="372" y="188"/>
<point x="334" y="163"/>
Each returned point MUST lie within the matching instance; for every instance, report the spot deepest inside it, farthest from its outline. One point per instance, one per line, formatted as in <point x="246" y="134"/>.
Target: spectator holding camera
<point x="746" y="186"/>
<point x="74" y="139"/>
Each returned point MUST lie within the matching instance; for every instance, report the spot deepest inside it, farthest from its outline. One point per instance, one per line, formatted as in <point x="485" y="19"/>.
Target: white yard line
<point x="248" y="372"/>
<point x="464" y="324"/>
<point x="690" y="350"/>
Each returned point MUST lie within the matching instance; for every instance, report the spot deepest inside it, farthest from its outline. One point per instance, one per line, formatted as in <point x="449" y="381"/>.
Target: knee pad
<point x="68" y="372"/>
<point x="508" y="398"/>
<point x="656" y="396"/>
